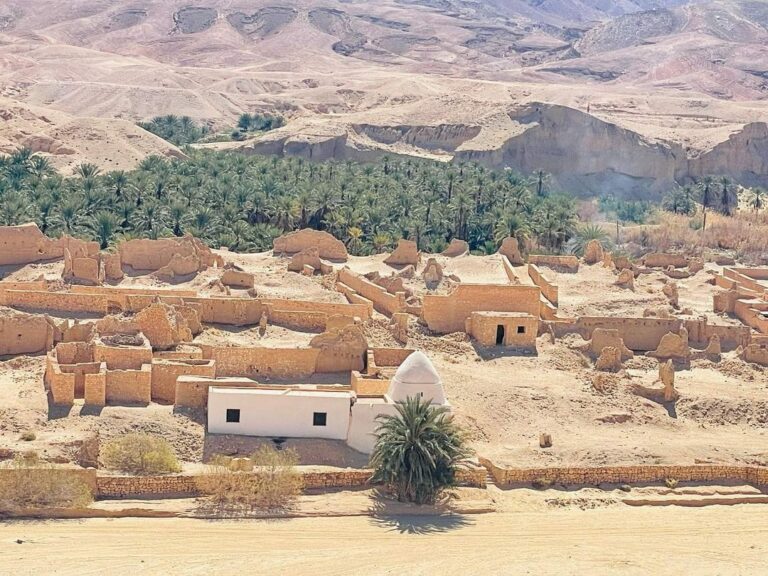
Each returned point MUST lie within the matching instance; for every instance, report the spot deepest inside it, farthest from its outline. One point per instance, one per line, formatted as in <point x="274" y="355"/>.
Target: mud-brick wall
<point x="390" y="356"/>
<point x="54" y="301"/>
<point x="129" y="386"/>
<point x="298" y="320"/>
<point x="271" y="362"/>
<point x="549" y="290"/>
<point x="329" y="308"/>
<point x="25" y="334"/>
<point x="566" y="263"/>
<point x="640" y="334"/>
<point x="165" y="373"/>
<point x="448" y="313"/>
<point x="383" y="301"/>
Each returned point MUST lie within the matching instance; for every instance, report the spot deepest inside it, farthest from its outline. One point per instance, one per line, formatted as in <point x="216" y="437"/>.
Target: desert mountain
<point x="626" y="94"/>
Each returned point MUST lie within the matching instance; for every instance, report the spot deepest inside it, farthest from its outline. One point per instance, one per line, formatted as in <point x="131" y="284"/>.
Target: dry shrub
<point x="745" y="234"/>
<point x="273" y="486"/>
<point x="31" y="484"/>
<point x="141" y="454"/>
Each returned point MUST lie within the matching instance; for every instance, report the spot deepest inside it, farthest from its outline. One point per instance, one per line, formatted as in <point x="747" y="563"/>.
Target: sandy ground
<point x="712" y="541"/>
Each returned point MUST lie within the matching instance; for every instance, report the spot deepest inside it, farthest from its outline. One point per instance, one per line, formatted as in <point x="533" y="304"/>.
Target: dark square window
<point x="521" y="329"/>
<point x="233" y="414"/>
<point x="319" y="418"/>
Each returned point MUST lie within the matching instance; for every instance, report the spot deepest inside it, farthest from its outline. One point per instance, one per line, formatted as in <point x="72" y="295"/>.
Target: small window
<point x="233" y="415"/>
<point x="319" y="418"/>
<point x="521" y="329"/>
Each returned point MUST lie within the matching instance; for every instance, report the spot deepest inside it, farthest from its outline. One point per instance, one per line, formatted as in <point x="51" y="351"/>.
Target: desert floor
<point x="716" y="540"/>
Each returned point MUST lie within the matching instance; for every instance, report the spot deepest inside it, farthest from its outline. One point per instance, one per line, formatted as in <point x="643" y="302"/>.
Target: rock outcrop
<point x="609" y="360"/>
<point x="626" y="279"/>
<point x="671" y="292"/>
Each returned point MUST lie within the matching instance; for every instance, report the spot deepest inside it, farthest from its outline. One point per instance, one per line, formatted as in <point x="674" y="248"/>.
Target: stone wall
<point x="705" y="473"/>
<point x="129" y="386"/>
<point x="448" y="313"/>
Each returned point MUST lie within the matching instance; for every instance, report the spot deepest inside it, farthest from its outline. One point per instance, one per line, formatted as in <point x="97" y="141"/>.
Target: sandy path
<point x="716" y="540"/>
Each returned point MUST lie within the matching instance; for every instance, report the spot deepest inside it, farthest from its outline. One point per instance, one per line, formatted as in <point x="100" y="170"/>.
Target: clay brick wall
<point x="700" y="331"/>
<point x="329" y="308"/>
<point x="129" y="386"/>
<point x="355" y="298"/>
<point x="628" y="474"/>
<point x="122" y="357"/>
<point x="54" y="301"/>
<point x="483" y="328"/>
<point x="448" y="313"/>
<point x="237" y="279"/>
<point x="390" y="356"/>
<point x="368" y="387"/>
<point x="662" y="260"/>
<point x="757" y="353"/>
<point x="749" y="312"/>
<point x="269" y="362"/>
<point x="641" y="334"/>
<point x="298" y="320"/>
<point x="166" y="372"/>
<point x="26" y="243"/>
<point x="383" y="301"/>
<point x="548" y="289"/>
<point x="565" y="263"/>
<point x="25" y="334"/>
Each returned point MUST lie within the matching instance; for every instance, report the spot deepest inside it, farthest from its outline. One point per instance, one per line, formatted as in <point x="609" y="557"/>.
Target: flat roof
<point x="283" y="392"/>
<point x="492" y="314"/>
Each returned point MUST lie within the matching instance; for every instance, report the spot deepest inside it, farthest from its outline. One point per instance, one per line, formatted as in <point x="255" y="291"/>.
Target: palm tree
<point x="104" y="226"/>
<point x="418" y="451"/>
<point x="584" y="235"/>
<point x="707" y="198"/>
<point x="757" y="199"/>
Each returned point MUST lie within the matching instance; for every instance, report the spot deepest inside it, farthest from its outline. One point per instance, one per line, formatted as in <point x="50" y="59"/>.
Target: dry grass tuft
<point x="141" y="454"/>
<point x="745" y="234"/>
<point x="32" y="484"/>
<point x="272" y="486"/>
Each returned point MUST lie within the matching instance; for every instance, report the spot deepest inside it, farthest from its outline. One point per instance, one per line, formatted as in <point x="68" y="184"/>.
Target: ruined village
<point x="601" y="368"/>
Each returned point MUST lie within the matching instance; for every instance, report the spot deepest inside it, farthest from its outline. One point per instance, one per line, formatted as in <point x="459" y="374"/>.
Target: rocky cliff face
<point x="582" y="152"/>
<point x="743" y="157"/>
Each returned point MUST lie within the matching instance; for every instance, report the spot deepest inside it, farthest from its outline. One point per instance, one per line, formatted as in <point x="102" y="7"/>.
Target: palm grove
<point x="243" y="203"/>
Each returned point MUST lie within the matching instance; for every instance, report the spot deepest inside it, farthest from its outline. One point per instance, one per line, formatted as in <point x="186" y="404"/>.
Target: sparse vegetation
<point x="274" y="484"/>
<point x="32" y="484"/>
<point x="259" y="122"/>
<point x="140" y="454"/>
<point x="418" y="451"/>
<point x="585" y="234"/>
<point x="178" y="130"/>
<point x="28" y="436"/>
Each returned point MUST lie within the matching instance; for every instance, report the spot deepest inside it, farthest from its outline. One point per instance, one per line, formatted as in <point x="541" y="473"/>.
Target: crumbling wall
<point x="559" y="263"/>
<point x="549" y="290"/>
<point x="383" y="301"/>
<point x="448" y="313"/>
<point x="663" y="260"/>
<point x="262" y="362"/>
<point x="757" y="353"/>
<point x="520" y="330"/>
<point x="122" y="357"/>
<point x="328" y="247"/>
<point x="341" y="350"/>
<point x="25" y="333"/>
<point x="170" y="256"/>
<point x="165" y="373"/>
<point x="639" y="334"/>
<point x="237" y="279"/>
<point x="405" y="253"/>
<point x="25" y="244"/>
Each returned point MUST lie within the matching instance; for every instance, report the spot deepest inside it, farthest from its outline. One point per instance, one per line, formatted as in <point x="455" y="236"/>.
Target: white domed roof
<point x="417" y="376"/>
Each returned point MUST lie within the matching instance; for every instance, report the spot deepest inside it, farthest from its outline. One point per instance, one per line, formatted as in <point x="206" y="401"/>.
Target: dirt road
<point x="715" y="540"/>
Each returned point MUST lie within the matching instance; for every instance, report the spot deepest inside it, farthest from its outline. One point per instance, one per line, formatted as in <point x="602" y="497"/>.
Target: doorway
<point x="500" y="332"/>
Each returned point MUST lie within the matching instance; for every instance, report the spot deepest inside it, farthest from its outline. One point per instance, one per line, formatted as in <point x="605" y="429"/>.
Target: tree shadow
<point x="495" y="352"/>
<point x="413" y="519"/>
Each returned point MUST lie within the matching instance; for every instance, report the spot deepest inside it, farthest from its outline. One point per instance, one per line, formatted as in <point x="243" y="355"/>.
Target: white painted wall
<point x="286" y="413"/>
<point x="363" y="425"/>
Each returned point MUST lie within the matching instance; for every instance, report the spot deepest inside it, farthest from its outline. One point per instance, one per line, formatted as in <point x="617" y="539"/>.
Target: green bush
<point x="141" y="454"/>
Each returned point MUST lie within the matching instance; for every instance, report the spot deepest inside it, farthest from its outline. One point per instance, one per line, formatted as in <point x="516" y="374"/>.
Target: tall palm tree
<point x="418" y="451"/>
<point x="707" y="198"/>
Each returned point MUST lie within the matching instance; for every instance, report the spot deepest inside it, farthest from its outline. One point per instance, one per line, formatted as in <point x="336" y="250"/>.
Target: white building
<point x="301" y="413"/>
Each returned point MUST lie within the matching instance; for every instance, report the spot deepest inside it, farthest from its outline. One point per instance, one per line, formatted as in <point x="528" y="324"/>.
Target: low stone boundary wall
<point x="186" y="484"/>
<point x="705" y="473"/>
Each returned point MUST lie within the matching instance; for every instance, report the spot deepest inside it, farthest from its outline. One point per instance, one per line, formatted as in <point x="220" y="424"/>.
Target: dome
<point x="416" y="376"/>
